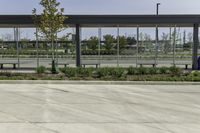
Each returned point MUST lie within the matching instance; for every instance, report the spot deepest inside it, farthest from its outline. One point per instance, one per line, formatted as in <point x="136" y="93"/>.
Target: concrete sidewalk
<point x="69" y="108"/>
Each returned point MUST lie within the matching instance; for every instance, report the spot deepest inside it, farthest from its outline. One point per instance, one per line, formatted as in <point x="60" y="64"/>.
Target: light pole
<point x="157" y="8"/>
<point x="156" y="56"/>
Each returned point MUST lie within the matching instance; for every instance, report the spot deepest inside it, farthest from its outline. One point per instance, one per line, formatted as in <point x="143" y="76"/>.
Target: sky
<point x="104" y="7"/>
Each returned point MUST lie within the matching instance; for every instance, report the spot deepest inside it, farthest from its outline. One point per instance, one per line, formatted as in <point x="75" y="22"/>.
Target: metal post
<point x="78" y="49"/>
<point x="16" y="37"/>
<point x="118" y="46"/>
<point x="184" y="37"/>
<point x="195" y="46"/>
<point x="174" y="45"/>
<point x="99" y="46"/>
<point x="170" y="37"/>
<point x="157" y="8"/>
<point x="138" y="35"/>
<point x="181" y="41"/>
<point x="56" y="50"/>
<point x="156" y="55"/>
<point x="37" y="46"/>
<point x="18" y="31"/>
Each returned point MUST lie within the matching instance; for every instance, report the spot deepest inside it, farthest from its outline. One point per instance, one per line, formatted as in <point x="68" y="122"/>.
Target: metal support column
<point x="174" y="45"/>
<point x="184" y="37"/>
<point x="56" y="50"/>
<point x="37" y="46"/>
<point x="78" y="46"/>
<point x="195" y="46"/>
<point x="138" y="35"/>
<point x="118" y="46"/>
<point x="157" y="46"/>
<point x="16" y="38"/>
<point x="170" y="38"/>
<point x="99" y="46"/>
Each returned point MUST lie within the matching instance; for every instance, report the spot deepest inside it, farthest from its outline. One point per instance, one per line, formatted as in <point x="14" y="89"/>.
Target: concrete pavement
<point x="70" y="108"/>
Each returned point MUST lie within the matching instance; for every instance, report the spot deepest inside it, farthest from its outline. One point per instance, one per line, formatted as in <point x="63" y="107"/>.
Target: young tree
<point x="147" y="43"/>
<point x="24" y="42"/>
<point x="109" y="42"/>
<point x="166" y="43"/>
<point x="187" y="41"/>
<point x="8" y="37"/>
<point x="122" y="42"/>
<point x="49" y="23"/>
<point x="175" y="37"/>
<point x="93" y="43"/>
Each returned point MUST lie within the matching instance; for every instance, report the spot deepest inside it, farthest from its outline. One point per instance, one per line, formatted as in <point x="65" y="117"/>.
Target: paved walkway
<point x="54" y="108"/>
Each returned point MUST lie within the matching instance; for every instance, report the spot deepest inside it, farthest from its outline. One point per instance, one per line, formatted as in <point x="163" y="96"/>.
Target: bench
<point x="182" y="63"/>
<point x="141" y="64"/>
<point x="90" y="64"/>
<point x="61" y="64"/>
<point x="8" y="63"/>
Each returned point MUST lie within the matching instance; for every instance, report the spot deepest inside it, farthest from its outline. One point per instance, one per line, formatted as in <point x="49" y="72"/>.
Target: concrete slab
<point x="61" y="108"/>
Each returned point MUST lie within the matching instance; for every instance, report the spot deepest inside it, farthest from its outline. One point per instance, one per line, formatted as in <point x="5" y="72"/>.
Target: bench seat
<point x="90" y="64"/>
<point x="8" y="63"/>
<point x="146" y="64"/>
<point x="182" y="63"/>
<point x="61" y="64"/>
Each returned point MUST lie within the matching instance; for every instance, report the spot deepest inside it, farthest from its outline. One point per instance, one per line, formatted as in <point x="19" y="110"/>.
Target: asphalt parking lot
<point x="68" y="108"/>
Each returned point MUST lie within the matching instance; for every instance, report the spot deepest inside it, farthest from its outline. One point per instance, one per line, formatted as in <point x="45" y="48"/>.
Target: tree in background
<point x="141" y="38"/>
<point x="24" y="42"/>
<point x="189" y="43"/>
<point x="147" y="42"/>
<point x="1" y="43"/>
<point x="93" y="43"/>
<point x="122" y="42"/>
<point x="67" y="46"/>
<point x="108" y="42"/>
<point x="175" y="38"/>
<point x="8" y="37"/>
<point x="50" y="23"/>
<point x="166" y="43"/>
<point x="131" y="41"/>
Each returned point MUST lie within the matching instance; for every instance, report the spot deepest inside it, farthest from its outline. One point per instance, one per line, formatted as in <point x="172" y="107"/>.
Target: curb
<point x="96" y="82"/>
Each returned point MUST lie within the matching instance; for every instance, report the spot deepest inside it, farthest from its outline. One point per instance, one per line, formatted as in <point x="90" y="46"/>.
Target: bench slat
<point x="8" y="63"/>
<point x="90" y="64"/>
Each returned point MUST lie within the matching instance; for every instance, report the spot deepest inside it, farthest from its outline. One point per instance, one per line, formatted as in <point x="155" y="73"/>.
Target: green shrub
<point x="118" y="72"/>
<point x="196" y="78"/>
<point x="6" y="73"/>
<point x="82" y="72"/>
<point x="105" y="71"/>
<point x="195" y="74"/>
<point x="63" y="69"/>
<point x="132" y="71"/>
<point x="41" y="69"/>
<point x="152" y="70"/>
<point x="95" y="74"/>
<point x="163" y="70"/>
<point x="175" y="70"/>
<point x="69" y="72"/>
<point x="143" y="71"/>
